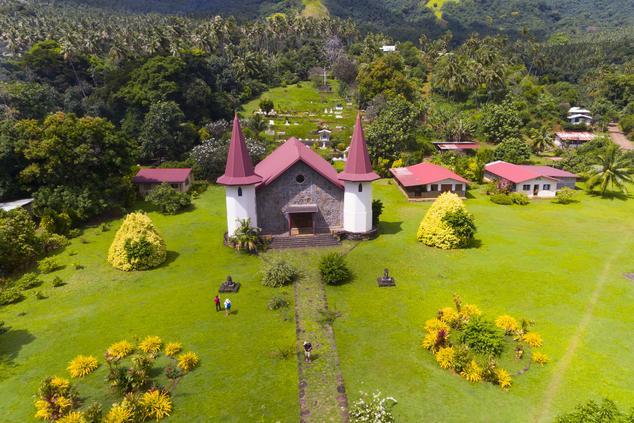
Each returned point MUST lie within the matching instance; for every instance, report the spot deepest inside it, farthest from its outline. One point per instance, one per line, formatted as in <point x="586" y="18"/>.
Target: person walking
<point x="217" y="303"/>
<point x="308" y="347"/>
<point x="227" y="307"/>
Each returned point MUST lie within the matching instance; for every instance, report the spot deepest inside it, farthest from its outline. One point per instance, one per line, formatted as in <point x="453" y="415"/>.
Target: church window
<point x="300" y="179"/>
<point x="239" y="191"/>
<point x="360" y="187"/>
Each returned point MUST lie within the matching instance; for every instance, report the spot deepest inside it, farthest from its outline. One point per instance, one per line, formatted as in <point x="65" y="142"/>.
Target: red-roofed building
<point x="180" y="179"/>
<point x="294" y="191"/>
<point x="572" y="138"/>
<point x="467" y="147"/>
<point x="534" y="181"/>
<point x="426" y="181"/>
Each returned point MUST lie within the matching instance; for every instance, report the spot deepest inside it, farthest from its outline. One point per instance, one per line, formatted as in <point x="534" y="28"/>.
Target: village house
<point x="294" y="191"/>
<point x="465" y="147"/>
<point x="534" y="181"/>
<point x="426" y="181"/>
<point x="179" y="179"/>
<point x="579" y="116"/>
<point x="572" y="139"/>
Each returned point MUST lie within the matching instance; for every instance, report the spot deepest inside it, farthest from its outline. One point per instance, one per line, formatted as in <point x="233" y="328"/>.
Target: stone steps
<point x="307" y="241"/>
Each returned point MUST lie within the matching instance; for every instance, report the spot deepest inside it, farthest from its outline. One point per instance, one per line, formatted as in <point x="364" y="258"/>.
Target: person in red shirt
<point x="217" y="303"/>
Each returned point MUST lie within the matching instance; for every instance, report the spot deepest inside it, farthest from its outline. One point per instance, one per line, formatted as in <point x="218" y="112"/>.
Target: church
<point x="294" y="191"/>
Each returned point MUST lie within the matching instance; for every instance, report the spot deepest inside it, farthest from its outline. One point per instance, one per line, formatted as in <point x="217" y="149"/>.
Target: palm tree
<point x="246" y="237"/>
<point x="540" y="140"/>
<point x="613" y="168"/>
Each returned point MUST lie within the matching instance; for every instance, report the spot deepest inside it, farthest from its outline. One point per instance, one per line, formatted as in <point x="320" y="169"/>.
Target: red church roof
<point x="239" y="169"/>
<point x="358" y="167"/>
<point x="289" y="153"/>
<point x="158" y="176"/>
<point x="520" y="173"/>
<point x="423" y="174"/>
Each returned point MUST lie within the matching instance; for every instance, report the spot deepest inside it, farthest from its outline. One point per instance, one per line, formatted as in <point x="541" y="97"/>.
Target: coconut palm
<point x="540" y="139"/>
<point x="613" y="169"/>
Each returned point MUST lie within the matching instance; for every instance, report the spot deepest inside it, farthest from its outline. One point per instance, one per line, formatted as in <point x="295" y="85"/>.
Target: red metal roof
<point x="520" y="173"/>
<point x="358" y="167"/>
<point x="575" y="136"/>
<point x="157" y="176"/>
<point x="289" y="153"/>
<point x="457" y="145"/>
<point x="424" y="173"/>
<point x="239" y="169"/>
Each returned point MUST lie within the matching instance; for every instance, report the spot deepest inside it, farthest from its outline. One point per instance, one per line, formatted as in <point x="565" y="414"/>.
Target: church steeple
<point x="239" y="169"/>
<point x="358" y="167"/>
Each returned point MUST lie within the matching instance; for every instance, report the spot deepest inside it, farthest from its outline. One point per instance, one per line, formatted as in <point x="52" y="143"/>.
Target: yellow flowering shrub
<point x="120" y="349"/>
<point x="434" y="231"/>
<point x="82" y="365"/>
<point x="449" y="315"/>
<point x="429" y="340"/>
<point x="188" y="361"/>
<point x="468" y="311"/>
<point x="173" y="348"/>
<point x="539" y="357"/>
<point x="151" y="344"/>
<point x="119" y="413"/>
<point x="445" y="357"/>
<point x="472" y="372"/>
<point x="507" y="323"/>
<point x="434" y="325"/>
<point x="137" y="244"/>
<point x="73" y="417"/>
<point x="60" y="383"/>
<point x="55" y="398"/>
<point x="504" y="378"/>
<point x="156" y="404"/>
<point x="533" y="339"/>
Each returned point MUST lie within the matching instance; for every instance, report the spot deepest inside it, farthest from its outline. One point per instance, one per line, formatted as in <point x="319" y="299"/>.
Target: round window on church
<point x="300" y="179"/>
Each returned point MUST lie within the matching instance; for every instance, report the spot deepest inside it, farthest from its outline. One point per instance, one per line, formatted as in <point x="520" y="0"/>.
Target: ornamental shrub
<point x="472" y="372"/>
<point x="48" y="265"/>
<point x="539" y="357"/>
<point x="278" y="302"/>
<point x="447" y="224"/>
<point x="503" y="378"/>
<point x="156" y="404"/>
<point x="28" y="281"/>
<point x="57" y="282"/>
<point x="167" y="199"/>
<point x="137" y="244"/>
<point x="173" y="348"/>
<point x="533" y="339"/>
<point x="279" y="273"/>
<point x="333" y="269"/>
<point x="519" y="198"/>
<point x="565" y="196"/>
<point x="483" y="337"/>
<point x="151" y="345"/>
<point x="119" y="350"/>
<point x="502" y="199"/>
<point x="82" y="365"/>
<point x="507" y="323"/>
<point x="188" y="361"/>
<point x="373" y="409"/>
<point x="10" y="296"/>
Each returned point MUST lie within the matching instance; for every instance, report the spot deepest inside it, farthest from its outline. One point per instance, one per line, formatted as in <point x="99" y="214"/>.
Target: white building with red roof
<point x="426" y="181"/>
<point x="534" y="181"/>
<point x="294" y="191"/>
<point x="179" y="179"/>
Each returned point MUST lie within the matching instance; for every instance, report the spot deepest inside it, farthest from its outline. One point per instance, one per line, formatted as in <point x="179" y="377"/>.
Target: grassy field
<point x="100" y="305"/>
<point x="561" y="266"/>
<point x="314" y="9"/>
<point x="305" y="107"/>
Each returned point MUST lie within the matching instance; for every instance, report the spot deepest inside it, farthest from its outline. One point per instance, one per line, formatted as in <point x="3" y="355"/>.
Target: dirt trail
<point x="619" y="138"/>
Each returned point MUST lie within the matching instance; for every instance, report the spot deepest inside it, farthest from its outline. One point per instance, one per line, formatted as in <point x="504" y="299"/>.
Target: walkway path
<point x="619" y="137"/>
<point x="322" y="394"/>
<point x="562" y="366"/>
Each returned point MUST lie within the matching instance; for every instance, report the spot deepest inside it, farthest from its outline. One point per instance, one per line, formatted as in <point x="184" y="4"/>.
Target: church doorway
<point x="301" y="224"/>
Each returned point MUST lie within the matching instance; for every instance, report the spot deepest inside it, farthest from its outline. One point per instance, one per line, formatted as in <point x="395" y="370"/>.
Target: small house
<point x="465" y="147"/>
<point x="426" y="181"/>
<point x="534" y="181"/>
<point x="179" y="179"/>
<point x="572" y="139"/>
<point x="579" y="116"/>
<point x="388" y="48"/>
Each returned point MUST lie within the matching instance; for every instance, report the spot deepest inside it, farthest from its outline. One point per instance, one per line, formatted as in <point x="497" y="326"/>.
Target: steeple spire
<point x="358" y="167"/>
<point x="239" y="169"/>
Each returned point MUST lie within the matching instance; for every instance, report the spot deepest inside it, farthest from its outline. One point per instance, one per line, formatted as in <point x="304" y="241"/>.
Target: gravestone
<point x="229" y="285"/>
<point x="385" y="280"/>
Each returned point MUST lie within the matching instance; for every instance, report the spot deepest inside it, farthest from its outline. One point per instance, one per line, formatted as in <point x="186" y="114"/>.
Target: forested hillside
<point x="407" y="19"/>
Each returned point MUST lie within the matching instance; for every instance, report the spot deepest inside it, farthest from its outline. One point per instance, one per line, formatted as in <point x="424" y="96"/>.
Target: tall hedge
<point x="447" y="224"/>
<point x="137" y="245"/>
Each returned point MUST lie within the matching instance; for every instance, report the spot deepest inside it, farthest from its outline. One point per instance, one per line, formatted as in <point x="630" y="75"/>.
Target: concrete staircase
<point x="303" y="241"/>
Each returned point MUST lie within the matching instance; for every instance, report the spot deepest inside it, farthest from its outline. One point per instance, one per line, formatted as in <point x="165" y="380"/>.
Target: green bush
<point x="10" y="296"/>
<point x="605" y="412"/>
<point x="447" y="224"/>
<point x="502" y="199"/>
<point x="278" y="302"/>
<point x="279" y="273"/>
<point x="462" y="224"/>
<point x="333" y="269"/>
<point x="52" y="242"/>
<point x="512" y="150"/>
<point x="565" y="196"/>
<point x="48" y="265"/>
<point x="57" y="282"/>
<point x="519" y="198"/>
<point x="377" y="211"/>
<point x="167" y="199"/>
<point x="40" y="295"/>
<point x="28" y="281"/>
<point x="483" y="337"/>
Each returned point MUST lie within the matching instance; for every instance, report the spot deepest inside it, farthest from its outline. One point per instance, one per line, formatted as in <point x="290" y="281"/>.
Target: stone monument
<point x="229" y="285"/>
<point x="385" y="280"/>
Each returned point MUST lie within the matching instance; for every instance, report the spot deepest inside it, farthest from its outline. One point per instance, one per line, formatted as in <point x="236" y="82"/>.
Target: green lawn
<point x="238" y="378"/>
<point x="301" y="101"/>
<point x="561" y="266"/>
